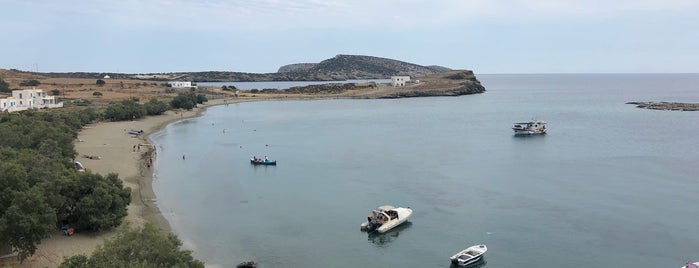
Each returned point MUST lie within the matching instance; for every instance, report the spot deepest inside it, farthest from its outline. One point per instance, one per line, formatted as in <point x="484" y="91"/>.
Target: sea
<point x="610" y="185"/>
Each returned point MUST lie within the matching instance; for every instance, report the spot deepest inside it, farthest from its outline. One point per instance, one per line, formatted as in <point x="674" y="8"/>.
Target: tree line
<point x="40" y="188"/>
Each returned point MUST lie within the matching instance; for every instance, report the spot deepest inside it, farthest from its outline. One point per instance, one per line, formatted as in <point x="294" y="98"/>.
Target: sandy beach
<point x="122" y="153"/>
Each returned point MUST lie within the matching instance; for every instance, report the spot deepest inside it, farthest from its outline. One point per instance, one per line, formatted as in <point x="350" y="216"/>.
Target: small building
<point x="106" y="76"/>
<point x="180" y="84"/>
<point x="27" y="99"/>
<point x="399" y="81"/>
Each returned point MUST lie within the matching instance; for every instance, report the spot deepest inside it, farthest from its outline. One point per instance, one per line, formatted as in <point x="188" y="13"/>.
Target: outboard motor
<point x="373" y="224"/>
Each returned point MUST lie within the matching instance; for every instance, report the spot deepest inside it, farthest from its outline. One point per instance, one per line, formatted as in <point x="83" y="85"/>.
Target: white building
<point x="28" y="98"/>
<point x="399" y="81"/>
<point x="178" y="84"/>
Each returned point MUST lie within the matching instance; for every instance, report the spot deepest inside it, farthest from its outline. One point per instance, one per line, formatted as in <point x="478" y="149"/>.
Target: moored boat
<point x="469" y="255"/>
<point x="530" y="128"/>
<point x="262" y="161"/>
<point x="386" y="217"/>
<point x="135" y="131"/>
<point x="691" y="265"/>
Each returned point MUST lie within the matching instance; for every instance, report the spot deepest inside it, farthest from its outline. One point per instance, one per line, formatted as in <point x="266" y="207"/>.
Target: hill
<point x="342" y="67"/>
<point x="338" y="68"/>
<point x="296" y="67"/>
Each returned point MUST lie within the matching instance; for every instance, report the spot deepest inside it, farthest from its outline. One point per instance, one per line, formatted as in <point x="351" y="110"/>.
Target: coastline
<point x="119" y="152"/>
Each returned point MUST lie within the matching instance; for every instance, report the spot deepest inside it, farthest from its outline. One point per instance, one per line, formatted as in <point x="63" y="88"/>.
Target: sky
<point x="259" y="36"/>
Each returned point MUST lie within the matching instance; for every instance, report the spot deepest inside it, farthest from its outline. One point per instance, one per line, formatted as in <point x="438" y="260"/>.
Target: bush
<point x="4" y="86"/>
<point x="30" y="83"/>
<point x="187" y="100"/>
<point x="55" y="92"/>
<point x="124" y="110"/>
<point x="100" y="82"/>
<point x="97" y="94"/>
<point x="155" y="107"/>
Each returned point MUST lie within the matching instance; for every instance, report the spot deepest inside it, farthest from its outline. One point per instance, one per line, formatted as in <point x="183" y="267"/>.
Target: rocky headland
<point x="452" y="83"/>
<point x="669" y="106"/>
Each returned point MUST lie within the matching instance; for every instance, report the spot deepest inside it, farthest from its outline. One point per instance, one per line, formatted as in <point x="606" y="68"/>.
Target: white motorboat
<point x="691" y="265"/>
<point x="470" y="255"/>
<point x="530" y="128"/>
<point x="386" y="217"/>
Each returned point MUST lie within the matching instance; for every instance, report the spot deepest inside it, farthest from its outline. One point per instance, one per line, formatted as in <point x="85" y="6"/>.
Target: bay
<point x="610" y="185"/>
<point x="284" y="84"/>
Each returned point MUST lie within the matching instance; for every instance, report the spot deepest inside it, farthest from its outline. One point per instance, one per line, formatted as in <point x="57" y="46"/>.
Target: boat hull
<point x="520" y="132"/>
<point x="469" y="262"/>
<point x="263" y="163"/>
<point x="469" y="256"/>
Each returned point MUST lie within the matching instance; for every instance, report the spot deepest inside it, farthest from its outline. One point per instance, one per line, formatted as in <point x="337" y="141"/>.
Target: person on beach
<point x="182" y="157"/>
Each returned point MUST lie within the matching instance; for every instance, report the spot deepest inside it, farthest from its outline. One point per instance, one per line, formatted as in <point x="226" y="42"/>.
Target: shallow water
<point x="610" y="185"/>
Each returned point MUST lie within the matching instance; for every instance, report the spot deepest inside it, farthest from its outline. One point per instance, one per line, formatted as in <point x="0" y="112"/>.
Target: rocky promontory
<point x="669" y="106"/>
<point x="452" y="83"/>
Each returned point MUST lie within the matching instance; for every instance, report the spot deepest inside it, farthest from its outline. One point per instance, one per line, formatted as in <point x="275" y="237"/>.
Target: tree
<point x="4" y="86"/>
<point x="99" y="202"/>
<point x="184" y="100"/>
<point x="143" y="247"/>
<point x="155" y="107"/>
<point x="55" y="92"/>
<point x="100" y="82"/>
<point x="30" y="83"/>
<point x="124" y="110"/>
<point x="28" y="220"/>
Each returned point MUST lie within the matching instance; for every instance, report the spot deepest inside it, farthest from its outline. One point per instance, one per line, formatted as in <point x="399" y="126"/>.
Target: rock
<point x="671" y="106"/>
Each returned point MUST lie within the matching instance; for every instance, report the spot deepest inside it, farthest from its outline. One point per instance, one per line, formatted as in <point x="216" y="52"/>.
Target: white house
<point x="399" y="81"/>
<point x="178" y="84"/>
<point x="28" y="98"/>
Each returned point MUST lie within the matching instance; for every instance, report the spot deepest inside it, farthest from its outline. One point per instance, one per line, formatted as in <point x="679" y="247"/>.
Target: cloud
<point x="255" y="15"/>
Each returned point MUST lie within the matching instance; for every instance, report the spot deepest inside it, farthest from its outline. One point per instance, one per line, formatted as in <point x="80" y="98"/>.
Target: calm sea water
<point x="610" y="185"/>
<point x="283" y="84"/>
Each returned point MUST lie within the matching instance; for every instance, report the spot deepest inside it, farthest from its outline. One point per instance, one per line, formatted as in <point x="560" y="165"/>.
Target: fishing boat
<point x="262" y="161"/>
<point x="533" y="127"/>
<point x="386" y="217"/>
<point x="469" y="255"/>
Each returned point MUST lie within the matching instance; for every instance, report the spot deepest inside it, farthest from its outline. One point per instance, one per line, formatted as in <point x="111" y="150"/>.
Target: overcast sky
<point x="259" y="36"/>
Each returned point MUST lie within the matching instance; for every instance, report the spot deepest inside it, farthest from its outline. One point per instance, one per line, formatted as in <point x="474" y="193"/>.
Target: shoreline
<point x="127" y="155"/>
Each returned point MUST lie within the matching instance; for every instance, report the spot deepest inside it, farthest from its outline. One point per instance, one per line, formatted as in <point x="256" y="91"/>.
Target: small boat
<point x="470" y="255"/>
<point x="135" y="132"/>
<point x="247" y="264"/>
<point x="262" y="161"/>
<point x="386" y="217"/>
<point x="530" y="128"/>
<point x="691" y="265"/>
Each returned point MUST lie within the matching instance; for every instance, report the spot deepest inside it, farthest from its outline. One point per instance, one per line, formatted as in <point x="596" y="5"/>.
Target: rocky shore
<point x="452" y="83"/>
<point x="670" y="106"/>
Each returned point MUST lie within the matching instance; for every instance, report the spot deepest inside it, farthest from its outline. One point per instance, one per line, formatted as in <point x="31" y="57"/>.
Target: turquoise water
<point x="611" y="185"/>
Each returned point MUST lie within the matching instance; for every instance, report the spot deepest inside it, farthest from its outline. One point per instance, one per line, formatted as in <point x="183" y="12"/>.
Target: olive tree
<point x="142" y="247"/>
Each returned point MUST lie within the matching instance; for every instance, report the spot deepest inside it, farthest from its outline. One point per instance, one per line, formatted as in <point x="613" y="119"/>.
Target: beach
<point x="114" y="150"/>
